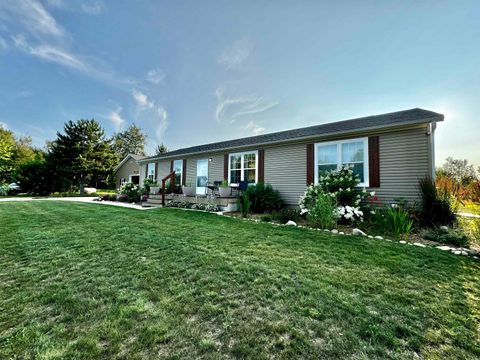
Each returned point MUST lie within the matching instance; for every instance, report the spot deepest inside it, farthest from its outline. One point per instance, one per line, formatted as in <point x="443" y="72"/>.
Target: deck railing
<point x="170" y="176"/>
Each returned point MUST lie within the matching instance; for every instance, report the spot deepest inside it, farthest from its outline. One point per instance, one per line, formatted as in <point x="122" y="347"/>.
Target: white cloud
<point x="33" y="17"/>
<point x="3" y="44"/>
<point x="116" y="118"/>
<point x="56" y="3"/>
<point x="255" y="128"/>
<point x="161" y="122"/>
<point x="229" y="109"/>
<point x="155" y="76"/>
<point x="93" y="7"/>
<point x="141" y="99"/>
<point x="235" y="55"/>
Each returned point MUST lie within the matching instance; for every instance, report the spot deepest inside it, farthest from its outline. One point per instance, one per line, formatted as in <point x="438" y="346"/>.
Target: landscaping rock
<point x="475" y="257"/>
<point x="444" y="228"/>
<point x="418" y="244"/>
<point x="378" y="237"/>
<point x="444" y="248"/>
<point x="358" y="232"/>
<point x="326" y="230"/>
<point x="334" y="231"/>
<point x="370" y="236"/>
<point x="403" y="242"/>
<point x="457" y="252"/>
<point x="291" y="223"/>
<point x="464" y="253"/>
<point x="341" y="233"/>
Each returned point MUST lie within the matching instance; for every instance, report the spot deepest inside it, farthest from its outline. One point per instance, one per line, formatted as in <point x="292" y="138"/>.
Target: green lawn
<point x="88" y="281"/>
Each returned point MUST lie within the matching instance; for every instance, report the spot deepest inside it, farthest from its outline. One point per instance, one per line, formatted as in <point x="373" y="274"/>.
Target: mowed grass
<point x="88" y="281"/>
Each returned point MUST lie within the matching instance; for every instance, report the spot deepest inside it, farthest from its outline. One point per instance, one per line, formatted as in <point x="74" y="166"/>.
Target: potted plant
<point x="188" y="189"/>
<point x="224" y="190"/>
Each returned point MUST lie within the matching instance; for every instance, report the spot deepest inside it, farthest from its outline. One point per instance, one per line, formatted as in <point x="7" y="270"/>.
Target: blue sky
<point x="191" y="72"/>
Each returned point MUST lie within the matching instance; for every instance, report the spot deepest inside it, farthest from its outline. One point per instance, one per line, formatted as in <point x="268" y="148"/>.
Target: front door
<point x="202" y="176"/>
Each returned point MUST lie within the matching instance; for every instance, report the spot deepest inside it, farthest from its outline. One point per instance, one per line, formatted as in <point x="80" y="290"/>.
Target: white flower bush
<point x="342" y="186"/>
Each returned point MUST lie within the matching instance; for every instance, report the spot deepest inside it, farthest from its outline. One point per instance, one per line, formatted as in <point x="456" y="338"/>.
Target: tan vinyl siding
<point x="129" y="168"/>
<point x="285" y="170"/>
<point x="404" y="160"/>
<point x="405" y="157"/>
<point x="163" y="170"/>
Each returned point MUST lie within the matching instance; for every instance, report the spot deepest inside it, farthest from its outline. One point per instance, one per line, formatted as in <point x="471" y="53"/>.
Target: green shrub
<point x="452" y="237"/>
<point x="342" y="186"/>
<point x="263" y="198"/>
<point x="4" y="189"/>
<point x="323" y="213"/>
<point x="437" y="205"/>
<point x="284" y="215"/>
<point x="394" y="221"/>
<point x="147" y="183"/>
<point x="132" y="191"/>
<point x="245" y="205"/>
<point x="266" y="218"/>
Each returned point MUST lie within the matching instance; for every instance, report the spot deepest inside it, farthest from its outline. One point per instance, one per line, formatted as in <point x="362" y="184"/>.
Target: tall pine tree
<point x="83" y="154"/>
<point x="129" y="141"/>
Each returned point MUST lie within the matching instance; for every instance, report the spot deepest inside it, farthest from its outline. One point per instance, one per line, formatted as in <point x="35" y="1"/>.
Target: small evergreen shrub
<point x="263" y="198"/>
<point x="438" y="207"/>
<point x="451" y="237"/>
<point x="284" y="215"/>
<point x="245" y="205"/>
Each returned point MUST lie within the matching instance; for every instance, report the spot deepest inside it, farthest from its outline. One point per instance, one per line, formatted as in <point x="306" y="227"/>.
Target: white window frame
<point x="339" y="143"/>
<point x="123" y="181"/>
<point x="179" y="172"/>
<point x="242" y="168"/>
<point x="130" y="178"/>
<point x="149" y="175"/>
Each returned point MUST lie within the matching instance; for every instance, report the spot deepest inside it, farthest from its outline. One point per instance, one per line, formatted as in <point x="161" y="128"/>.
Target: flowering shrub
<point x="188" y="205"/>
<point x="342" y="186"/>
<point x="132" y="192"/>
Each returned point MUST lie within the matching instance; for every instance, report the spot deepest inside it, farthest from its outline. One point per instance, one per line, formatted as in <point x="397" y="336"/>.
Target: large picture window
<point x="151" y="171"/>
<point x="243" y="167"/>
<point x="334" y="154"/>
<point x="178" y="168"/>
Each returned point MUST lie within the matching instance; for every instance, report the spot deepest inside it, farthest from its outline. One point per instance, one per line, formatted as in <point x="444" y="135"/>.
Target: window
<point x="123" y="181"/>
<point x="178" y="168"/>
<point x="333" y="155"/>
<point x="151" y="171"/>
<point x="243" y="167"/>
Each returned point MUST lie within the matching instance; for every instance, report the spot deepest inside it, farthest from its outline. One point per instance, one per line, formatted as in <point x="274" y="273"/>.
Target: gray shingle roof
<point x="405" y="117"/>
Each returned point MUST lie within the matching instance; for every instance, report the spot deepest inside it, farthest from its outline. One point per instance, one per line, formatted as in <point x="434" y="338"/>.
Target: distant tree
<point x="130" y="141"/>
<point x="82" y="154"/>
<point x="161" y="149"/>
<point x="35" y="176"/>
<point x="7" y="145"/>
<point x="458" y="170"/>
<point x="13" y="153"/>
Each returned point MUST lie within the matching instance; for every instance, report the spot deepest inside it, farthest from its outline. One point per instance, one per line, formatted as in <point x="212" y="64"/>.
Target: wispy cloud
<point x="229" y="109"/>
<point x="155" y="76"/>
<point x="235" y="55"/>
<point x="161" y="123"/>
<point x="33" y="17"/>
<point x="93" y="7"/>
<point x="141" y="99"/>
<point x="38" y="34"/>
<point x="255" y="128"/>
<point x="3" y="125"/>
<point x="3" y="44"/>
<point x="116" y="118"/>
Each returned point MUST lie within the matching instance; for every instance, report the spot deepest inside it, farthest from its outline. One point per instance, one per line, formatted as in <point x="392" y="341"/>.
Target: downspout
<point x="431" y="132"/>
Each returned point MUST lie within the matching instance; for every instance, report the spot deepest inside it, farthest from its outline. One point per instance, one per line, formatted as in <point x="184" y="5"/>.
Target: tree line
<point x="81" y="155"/>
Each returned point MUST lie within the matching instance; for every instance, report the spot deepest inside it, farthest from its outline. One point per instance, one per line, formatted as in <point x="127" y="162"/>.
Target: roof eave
<point x="435" y="118"/>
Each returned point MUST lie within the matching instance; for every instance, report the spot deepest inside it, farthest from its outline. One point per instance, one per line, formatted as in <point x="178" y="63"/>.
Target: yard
<point x="89" y="281"/>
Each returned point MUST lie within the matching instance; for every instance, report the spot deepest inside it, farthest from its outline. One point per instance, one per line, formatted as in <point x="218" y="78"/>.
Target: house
<point x="390" y="152"/>
<point x="128" y="170"/>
